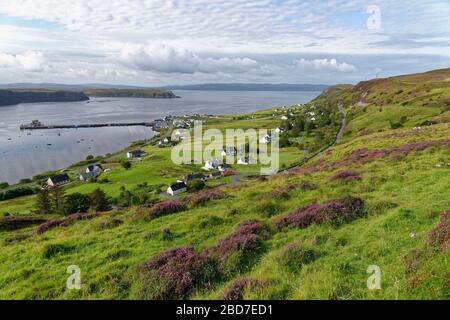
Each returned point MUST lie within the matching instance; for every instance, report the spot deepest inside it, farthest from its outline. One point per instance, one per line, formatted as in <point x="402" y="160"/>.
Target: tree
<point x="58" y="199"/>
<point x="44" y="202"/>
<point x="196" y="185"/>
<point x="99" y="201"/>
<point x="126" y="165"/>
<point x="77" y="203"/>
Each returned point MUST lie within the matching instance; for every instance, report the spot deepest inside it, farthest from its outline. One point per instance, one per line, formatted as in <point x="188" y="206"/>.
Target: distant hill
<point x="251" y="87"/>
<point x="206" y="87"/>
<point x="11" y="97"/>
<point x="131" y="93"/>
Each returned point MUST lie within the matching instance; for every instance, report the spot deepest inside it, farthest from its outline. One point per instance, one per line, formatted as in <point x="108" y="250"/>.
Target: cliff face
<point x="11" y="97"/>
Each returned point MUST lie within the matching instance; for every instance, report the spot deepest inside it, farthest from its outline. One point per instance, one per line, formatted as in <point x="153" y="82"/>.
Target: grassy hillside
<point x="379" y="197"/>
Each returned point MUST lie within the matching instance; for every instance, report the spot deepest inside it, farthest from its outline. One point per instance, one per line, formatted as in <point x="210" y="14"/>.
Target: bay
<point x="23" y="155"/>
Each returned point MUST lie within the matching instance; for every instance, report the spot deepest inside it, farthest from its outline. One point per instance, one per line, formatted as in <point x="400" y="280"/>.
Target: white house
<point x="135" y="154"/>
<point x="212" y="165"/>
<point x="265" y="140"/>
<point x="94" y="168"/>
<point x="243" y="161"/>
<point x="177" y="188"/>
<point x="88" y="176"/>
<point x="279" y="130"/>
<point x="284" y="118"/>
<point x="164" y="143"/>
<point x="216" y="175"/>
<point x="58" y="180"/>
<point x="229" y="151"/>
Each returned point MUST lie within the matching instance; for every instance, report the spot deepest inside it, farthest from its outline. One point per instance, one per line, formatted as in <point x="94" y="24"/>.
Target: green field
<point x="403" y="178"/>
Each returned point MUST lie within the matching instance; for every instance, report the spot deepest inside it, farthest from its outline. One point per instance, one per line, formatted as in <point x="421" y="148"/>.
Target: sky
<point x="168" y="42"/>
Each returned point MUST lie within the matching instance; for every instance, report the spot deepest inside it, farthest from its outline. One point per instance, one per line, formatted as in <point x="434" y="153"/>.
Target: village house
<point x="284" y="118"/>
<point x="279" y="130"/>
<point x="216" y="175"/>
<point x="193" y="176"/>
<point x="58" y="180"/>
<point x="177" y="188"/>
<point x="229" y="151"/>
<point x="86" y="176"/>
<point x="135" y="154"/>
<point x="265" y="140"/>
<point x="243" y="161"/>
<point x="164" y="143"/>
<point x="94" y="168"/>
<point x="212" y="165"/>
<point x="178" y="123"/>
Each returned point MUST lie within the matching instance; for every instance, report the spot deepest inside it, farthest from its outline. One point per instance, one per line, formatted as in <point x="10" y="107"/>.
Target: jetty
<point x="37" y="125"/>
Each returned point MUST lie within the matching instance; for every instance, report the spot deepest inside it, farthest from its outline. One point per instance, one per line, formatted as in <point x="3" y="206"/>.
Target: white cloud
<point x="324" y="65"/>
<point x="169" y="59"/>
<point x="215" y="40"/>
<point x="31" y="61"/>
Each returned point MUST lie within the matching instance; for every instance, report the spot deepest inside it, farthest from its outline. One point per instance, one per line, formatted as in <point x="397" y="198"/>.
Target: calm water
<point x="26" y="155"/>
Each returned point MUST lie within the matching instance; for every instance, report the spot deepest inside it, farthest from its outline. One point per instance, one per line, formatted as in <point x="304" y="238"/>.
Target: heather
<point x="166" y="208"/>
<point x="174" y="274"/>
<point x="204" y="197"/>
<point x="240" y="249"/>
<point x="363" y="155"/>
<point x="439" y="236"/>
<point x="49" y="225"/>
<point x="334" y="212"/>
<point x="236" y="290"/>
<point x="345" y="176"/>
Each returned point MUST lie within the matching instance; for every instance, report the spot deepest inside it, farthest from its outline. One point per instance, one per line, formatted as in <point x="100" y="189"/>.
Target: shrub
<point x="98" y="201"/>
<point x="64" y="222"/>
<point x="284" y="192"/>
<point x="76" y="203"/>
<point x="269" y="209"/>
<point x="166" y="208"/>
<point x="174" y="274"/>
<point x="51" y="250"/>
<point x="438" y="237"/>
<point x="16" y="193"/>
<point x="205" y="197"/>
<point x="48" y="226"/>
<point x="126" y="165"/>
<point x="20" y="222"/>
<point x="196" y="185"/>
<point x="294" y="257"/>
<point x="109" y="224"/>
<point x="245" y="238"/>
<point x="335" y="212"/>
<point x="346" y="176"/>
<point x="237" y="289"/>
<point x="307" y="186"/>
<point x="4" y="185"/>
<point x="76" y="217"/>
